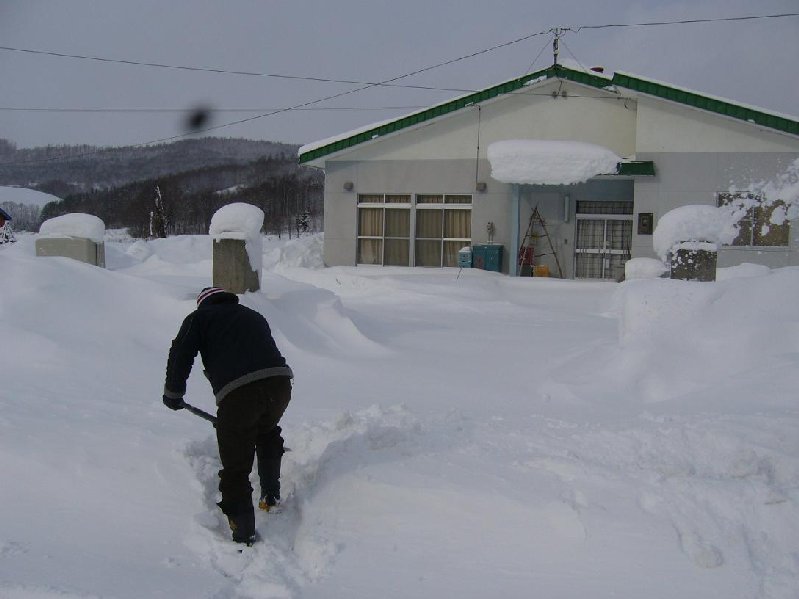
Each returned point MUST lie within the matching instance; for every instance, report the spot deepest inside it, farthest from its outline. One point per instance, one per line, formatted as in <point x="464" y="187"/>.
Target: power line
<point x="368" y="85"/>
<point x="221" y="71"/>
<point x="184" y="110"/>
<point x="683" y="22"/>
<point x="304" y="104"/>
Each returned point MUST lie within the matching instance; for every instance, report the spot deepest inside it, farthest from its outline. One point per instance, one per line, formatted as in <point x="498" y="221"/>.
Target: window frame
<point x="447" y="202"/>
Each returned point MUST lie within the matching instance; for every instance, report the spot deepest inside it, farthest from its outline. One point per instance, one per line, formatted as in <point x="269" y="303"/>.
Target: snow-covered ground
<point x="452" y="434"/>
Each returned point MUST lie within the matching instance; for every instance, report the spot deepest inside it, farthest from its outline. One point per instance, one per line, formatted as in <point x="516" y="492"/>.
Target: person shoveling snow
<point x="252" y="386"/>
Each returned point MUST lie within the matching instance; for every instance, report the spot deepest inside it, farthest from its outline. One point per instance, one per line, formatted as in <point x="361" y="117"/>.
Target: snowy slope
<point x="23" y="195"/>
<point x="470" y="436"/>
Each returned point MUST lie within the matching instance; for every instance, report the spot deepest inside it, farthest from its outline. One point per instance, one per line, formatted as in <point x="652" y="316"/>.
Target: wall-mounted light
<point x="349" y="186"/>
<point x="481" y="186"/>
<point x="567" y="207"/>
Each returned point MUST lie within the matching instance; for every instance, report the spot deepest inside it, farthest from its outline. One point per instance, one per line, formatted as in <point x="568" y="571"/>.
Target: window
<point x="395" y="231"/>
<point x="443" y="227"/>
<point x="755" y="227"/>
<point x="384" y="225"/>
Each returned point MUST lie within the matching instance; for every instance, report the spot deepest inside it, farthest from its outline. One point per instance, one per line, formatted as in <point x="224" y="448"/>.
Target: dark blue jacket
<point x="235" y="344"/>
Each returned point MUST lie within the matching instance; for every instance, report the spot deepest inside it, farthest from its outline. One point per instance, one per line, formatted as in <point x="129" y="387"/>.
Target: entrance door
<point x="604" y="235"/>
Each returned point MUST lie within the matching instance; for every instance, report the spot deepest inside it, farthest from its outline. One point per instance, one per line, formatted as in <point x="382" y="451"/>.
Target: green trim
<point x="636" y="167"/>
<point x="555" y="71"/>
<point x="560" y="72"/>
<point x="736" y="111"/>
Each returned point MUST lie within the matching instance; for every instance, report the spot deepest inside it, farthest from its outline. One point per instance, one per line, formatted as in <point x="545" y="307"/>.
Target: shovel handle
<point x="198" y="412"/>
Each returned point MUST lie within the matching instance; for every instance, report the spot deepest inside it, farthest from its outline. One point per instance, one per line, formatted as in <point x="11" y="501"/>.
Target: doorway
<point x="603" y="238"/>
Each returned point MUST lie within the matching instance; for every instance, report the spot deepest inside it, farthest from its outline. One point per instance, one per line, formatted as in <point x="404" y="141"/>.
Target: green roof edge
<point x="652" y="88"/>
<point x="736" y="111"/>
<point x="555" y="71"/>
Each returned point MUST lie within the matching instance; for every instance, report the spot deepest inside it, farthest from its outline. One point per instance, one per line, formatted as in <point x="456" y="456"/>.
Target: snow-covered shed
<point x="601" y="157"/>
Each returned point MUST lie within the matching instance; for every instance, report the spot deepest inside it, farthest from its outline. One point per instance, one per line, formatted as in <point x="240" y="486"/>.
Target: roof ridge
<point x="782" y="123"/>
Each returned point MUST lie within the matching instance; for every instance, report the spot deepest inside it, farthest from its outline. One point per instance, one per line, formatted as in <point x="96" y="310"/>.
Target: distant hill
<point x="194" y="177"/>
<point x="62" y="170"/>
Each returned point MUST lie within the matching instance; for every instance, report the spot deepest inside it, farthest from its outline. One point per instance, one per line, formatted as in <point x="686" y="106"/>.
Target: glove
<point x="173" y="403"/>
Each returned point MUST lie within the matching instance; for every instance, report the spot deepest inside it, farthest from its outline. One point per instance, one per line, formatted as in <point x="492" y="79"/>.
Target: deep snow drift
<point x="469" y="436"/>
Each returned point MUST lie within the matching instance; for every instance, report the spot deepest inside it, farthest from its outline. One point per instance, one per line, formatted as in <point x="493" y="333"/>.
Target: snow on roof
<point x="694" y="223"/>
<point x="23" y="195"/>
<point x="329" y="140"/>
<point x="76" y="224"/>
<point x="237" y="217"/>
<point x="545" y="162"/>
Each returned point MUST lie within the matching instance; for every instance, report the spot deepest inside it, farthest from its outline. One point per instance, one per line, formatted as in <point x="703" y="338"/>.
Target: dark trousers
<point x="247" y="420"/>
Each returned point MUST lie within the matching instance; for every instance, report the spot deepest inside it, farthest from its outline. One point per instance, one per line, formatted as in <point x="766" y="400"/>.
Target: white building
<point x="415" y="190"/>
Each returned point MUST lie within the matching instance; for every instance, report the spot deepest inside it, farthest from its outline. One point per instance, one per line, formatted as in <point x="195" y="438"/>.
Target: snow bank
<point x="700" y="223"/>
<point x="675" y="444"/>
<point x="549" y="162"/>
<point x="76" y="224"/>
<point x="643" y="268"/>
<point x="240" y="221"/>
<point x="23" y="195"/>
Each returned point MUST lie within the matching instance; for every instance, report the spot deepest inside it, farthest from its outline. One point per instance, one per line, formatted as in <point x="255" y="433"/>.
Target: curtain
<point x="457" y="224"/>
<point x="398" y="222"/>
<point x="397" y="252"/>
<point x="428" y="253"/>
<point x="369" y="251"/>
<point x="428" y="224"/>
<point x="370" y="222"/>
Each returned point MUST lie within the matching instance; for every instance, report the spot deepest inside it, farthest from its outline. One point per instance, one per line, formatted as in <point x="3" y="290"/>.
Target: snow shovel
<point x="198" y="412"/>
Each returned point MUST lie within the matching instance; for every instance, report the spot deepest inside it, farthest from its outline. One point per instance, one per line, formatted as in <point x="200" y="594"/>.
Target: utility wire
<point x="184" y="110"/>
<point x="304" y="104"/>
<point x="683" y="21"/>
<point x="364" y="85"/>
<point x="222" y="71"/>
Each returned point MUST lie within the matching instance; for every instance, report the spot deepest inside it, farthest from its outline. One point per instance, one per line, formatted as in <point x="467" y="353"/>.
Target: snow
<point x="23" y="195"/>
<point x="694" y="223"/>
<point x="240" y="221"/>
<point x="644" y="268"/>
<point x="75" y="224"/>
<point x="453" y="434"/>
<point x="545" y="162"/>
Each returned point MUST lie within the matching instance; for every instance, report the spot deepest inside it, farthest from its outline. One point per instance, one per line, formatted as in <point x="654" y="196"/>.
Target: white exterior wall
<point x="696" y="154"/>
<point x="442" y="156"/>
<point x="699" y="154"/>
<point x="531" y="114"/>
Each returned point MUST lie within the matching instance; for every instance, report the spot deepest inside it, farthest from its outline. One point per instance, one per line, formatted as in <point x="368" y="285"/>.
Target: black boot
<point x="269" y="473"/>
<point x="242" y="523"/>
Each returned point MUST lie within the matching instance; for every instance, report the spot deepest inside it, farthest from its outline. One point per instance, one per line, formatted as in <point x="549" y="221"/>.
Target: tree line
<point x="183" y="203"/>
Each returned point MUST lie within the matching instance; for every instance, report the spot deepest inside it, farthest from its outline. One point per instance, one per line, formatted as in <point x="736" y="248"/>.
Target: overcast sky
<point x="753" y="62"/>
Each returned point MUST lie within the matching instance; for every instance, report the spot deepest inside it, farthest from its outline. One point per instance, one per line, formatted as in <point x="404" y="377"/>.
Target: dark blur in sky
<point x="751" y="62"/>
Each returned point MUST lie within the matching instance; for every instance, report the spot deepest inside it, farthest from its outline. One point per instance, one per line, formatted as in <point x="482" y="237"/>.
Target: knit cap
<point x="208" y="292"/>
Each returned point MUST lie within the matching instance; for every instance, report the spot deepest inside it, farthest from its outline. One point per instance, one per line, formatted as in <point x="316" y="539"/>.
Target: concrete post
<point x="231" y="267"/>
<point x="694" y="261"/>
<point x="77" y="248"/>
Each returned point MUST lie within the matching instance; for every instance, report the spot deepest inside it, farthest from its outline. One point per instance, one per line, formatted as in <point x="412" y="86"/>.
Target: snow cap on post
<point x="75" y="224"/>
<point x="694" y="224"/>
